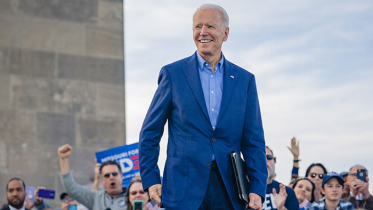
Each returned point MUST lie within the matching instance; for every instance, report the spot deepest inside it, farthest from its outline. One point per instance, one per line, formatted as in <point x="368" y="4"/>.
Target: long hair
<point x="127" y="195"/>
<point x="315" y="164"/>
<point x="313" y="187"/>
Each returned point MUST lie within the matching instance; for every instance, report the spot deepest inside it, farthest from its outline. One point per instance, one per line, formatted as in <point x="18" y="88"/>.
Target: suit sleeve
<point x="253" y="144"/>
<point x="152" y="131"/>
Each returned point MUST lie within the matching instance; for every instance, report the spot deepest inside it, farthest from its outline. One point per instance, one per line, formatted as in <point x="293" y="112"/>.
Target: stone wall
<point x="61" y="81"/>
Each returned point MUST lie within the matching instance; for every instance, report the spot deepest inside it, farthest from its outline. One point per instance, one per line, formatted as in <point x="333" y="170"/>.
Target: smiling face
<point x="303" y="190"/>
<point x="209" y="33"/>
<point x="332" y="190"/>
<point x="15" y="194"/>
<point x="112" y="183"/>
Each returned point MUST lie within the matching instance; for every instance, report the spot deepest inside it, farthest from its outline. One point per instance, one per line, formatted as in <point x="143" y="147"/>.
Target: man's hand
<point x="28" y="203"/>
<point x="317" y="192"/>
<point x="294" y="148"/>
<point x="362" y="187"/>
<point x="37" y="199"/>
<point x="97" y="169"/>
<point x="255" y="201"/>
<point x="65" y="151"/>
<point x="280" y="198"/>
<point x="155" y="192"/>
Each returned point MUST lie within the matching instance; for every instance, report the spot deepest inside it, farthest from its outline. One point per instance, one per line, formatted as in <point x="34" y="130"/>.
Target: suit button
<point x="208" y="163"/>
<point x="213" y="139"/>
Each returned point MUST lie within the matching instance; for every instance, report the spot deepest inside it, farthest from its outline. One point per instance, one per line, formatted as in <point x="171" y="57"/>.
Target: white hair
<point x="224" y="14"/>
<point x="357" y="165"/>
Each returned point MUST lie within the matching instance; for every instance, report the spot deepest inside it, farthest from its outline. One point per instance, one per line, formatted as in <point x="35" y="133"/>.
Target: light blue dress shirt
<point x="212" y="86"/>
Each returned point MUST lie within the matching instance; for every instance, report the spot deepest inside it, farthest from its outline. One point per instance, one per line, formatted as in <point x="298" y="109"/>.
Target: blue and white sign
<point x="128" y="158"/>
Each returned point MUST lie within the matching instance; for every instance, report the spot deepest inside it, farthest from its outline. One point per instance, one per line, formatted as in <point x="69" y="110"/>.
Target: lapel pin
<point x="232" y="77"/>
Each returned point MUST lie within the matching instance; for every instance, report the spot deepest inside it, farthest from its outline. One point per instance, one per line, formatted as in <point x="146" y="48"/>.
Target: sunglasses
<point x="270" y="157"/>
<point x="108" y="174"/>
<point x="135" y="192"/>
<point x="67" y="199"/>
<point x="313" y="175"/>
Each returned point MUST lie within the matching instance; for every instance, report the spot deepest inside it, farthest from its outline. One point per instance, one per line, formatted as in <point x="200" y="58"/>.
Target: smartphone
<point x="73" y="207"/>
<point x="30" y="190"/>
<point x="49" y="194"/>
<point x="137" y="205"/>
<point x="362" y="174"/>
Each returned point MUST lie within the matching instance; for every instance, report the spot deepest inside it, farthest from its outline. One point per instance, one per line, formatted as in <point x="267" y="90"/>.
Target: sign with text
<point x="128" y="158"/>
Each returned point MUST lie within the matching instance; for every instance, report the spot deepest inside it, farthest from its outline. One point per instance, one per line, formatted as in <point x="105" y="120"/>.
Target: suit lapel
<point x="229" y="81"/>
<point x="192" y="75"/>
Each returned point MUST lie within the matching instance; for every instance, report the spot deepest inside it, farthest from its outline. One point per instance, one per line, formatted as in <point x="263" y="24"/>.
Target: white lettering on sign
<point x="133" y="152"/>
<point x="115" y="157"/>
<point x="126" y="165"/>
<point x="269" y="203"/>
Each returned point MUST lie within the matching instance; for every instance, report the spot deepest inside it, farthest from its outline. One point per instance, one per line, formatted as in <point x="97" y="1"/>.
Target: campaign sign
<point x="128" y="158"/>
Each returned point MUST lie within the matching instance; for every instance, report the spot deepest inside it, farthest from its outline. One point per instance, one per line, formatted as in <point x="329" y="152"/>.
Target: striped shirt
<point x="343" y="205"/>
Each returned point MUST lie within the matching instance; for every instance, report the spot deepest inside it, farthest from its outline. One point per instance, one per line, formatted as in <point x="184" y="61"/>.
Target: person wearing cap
<point x="332" y="187"/>
<point x="359" y="194"/>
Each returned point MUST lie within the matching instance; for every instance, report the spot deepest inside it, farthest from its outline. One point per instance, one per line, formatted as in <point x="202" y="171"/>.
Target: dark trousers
<point x="216" y="197"/>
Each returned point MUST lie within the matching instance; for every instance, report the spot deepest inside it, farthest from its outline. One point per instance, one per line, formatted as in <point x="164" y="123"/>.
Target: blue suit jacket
<point x="179" y="99"/>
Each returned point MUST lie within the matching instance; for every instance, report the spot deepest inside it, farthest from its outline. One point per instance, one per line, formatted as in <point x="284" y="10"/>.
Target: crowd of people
<point x="212" y="108"/>
<point x="318" y="189"/>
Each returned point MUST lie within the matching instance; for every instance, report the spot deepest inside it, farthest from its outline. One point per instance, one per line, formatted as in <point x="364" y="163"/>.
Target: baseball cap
<point x="330" y="175"/>
<point x="344" y="173"/>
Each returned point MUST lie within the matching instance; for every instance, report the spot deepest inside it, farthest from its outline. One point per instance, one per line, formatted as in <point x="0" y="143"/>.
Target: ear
<point x="226" y="33"/>
<point x="322" y="191"/>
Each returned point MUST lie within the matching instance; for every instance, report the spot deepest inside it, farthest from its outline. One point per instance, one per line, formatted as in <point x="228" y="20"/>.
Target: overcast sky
<point x="313" y="62"/>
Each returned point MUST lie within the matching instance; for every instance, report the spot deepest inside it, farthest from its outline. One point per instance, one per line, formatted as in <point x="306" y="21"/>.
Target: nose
<point x="203" y="31"/>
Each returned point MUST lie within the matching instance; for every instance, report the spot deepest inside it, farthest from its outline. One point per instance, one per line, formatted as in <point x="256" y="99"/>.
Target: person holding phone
<point x="358" y="182"/>
<point x="135" y="192"/>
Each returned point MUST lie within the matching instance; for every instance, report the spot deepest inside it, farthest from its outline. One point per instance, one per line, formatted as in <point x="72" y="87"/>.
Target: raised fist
<point x="65" y="151"/>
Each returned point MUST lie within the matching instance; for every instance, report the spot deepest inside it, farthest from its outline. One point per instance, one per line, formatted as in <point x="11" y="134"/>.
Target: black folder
<point x="241" y="178"/>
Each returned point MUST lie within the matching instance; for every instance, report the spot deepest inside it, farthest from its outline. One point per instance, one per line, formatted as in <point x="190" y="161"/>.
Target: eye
<point x="210" y="26"/>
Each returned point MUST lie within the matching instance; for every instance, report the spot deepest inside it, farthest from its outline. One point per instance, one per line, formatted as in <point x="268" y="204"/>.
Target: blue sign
<point x="128" y="158"/>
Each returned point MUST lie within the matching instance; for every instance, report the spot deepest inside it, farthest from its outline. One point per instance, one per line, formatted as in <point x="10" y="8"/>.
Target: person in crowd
<point x="136" y="192"/>
<point x="111" y="178"/>
<point x="294" y="149"/>
<point x="346" y="187"/>
<point x="212" y="109"/>
<point x="314" y="172"/>
<point x="331" y="187"/>
<point x="304" y="191"/>
<point x="15" y="194"/>
<point x="66" y="201"/>
<point x="278" y="196"/>
<point x="359" y="190"/>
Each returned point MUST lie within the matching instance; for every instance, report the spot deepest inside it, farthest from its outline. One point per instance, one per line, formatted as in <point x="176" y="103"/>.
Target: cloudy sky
<point x="313" y="62"/>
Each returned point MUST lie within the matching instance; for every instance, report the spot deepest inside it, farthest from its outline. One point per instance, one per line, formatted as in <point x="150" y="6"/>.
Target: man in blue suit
<point x="212" y="108"/>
